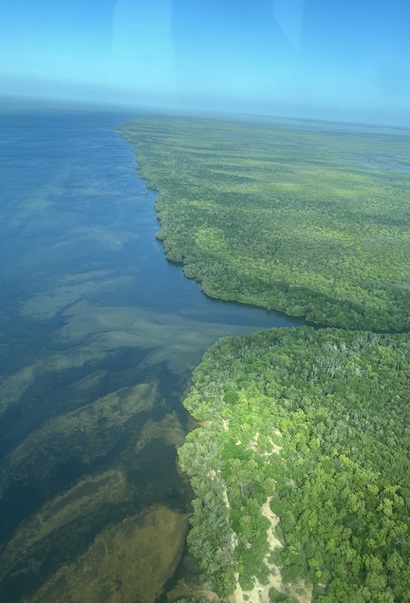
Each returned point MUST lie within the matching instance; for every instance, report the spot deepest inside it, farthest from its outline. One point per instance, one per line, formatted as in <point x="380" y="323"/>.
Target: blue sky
<point x="347" y="60"/>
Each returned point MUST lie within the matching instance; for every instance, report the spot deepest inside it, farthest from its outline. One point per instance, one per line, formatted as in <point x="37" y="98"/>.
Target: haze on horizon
<point x="347" y="61"/>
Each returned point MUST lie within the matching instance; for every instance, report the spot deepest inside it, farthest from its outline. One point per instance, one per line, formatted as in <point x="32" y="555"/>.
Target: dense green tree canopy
<point x="314" y="223"/>
<point x="306" y="433"/>
<point x="320" y="421"/>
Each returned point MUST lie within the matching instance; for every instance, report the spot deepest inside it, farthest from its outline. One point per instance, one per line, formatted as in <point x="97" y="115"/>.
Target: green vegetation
<point x="301" y="467"/>
<point x="276" y="596"/>
<point x="311" y="223"/>
<point x="320" y="421"/>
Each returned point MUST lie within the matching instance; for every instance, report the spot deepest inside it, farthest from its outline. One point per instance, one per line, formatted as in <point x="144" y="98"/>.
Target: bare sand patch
<point x="260" y="593"/>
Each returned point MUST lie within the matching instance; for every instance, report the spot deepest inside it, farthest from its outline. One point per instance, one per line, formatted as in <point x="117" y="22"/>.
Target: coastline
<point x="208" y="240"/>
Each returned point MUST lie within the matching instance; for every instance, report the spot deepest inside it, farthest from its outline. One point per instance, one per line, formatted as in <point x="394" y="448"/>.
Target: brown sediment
<point x="129" y="561"/>
<point x="184" y="590"/>
<point x="86" y="433"/>
<point x="60" y="518"/>
<point x="169" y="429"/>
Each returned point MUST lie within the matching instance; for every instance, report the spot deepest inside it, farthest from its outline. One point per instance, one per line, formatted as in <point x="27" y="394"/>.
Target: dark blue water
<point x="89" y="306"/>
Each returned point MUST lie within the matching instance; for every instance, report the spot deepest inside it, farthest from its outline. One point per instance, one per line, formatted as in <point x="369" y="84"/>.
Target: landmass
<point x="300" y="466"/>
<point x="308" y="222"/>
<point x="310" y="426"/>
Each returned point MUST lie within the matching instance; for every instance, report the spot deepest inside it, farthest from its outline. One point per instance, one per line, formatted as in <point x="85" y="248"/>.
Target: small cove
<point x="99" y="336"/>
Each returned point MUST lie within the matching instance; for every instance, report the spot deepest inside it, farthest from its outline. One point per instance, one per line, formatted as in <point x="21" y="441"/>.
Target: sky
<point x="346" y="60"/>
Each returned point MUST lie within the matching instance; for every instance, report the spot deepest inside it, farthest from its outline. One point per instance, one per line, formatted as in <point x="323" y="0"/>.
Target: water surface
<point x="99" y="336"/>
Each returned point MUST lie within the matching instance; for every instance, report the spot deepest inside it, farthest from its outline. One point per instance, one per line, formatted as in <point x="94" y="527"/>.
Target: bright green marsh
<point x="314" y="223"/>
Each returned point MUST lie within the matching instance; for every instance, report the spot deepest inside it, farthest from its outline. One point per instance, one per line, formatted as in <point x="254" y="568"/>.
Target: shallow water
<point x="99" y="336"/>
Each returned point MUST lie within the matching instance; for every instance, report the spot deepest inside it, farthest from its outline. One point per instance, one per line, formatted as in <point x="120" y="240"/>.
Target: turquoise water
<point x="99" y="336"/>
